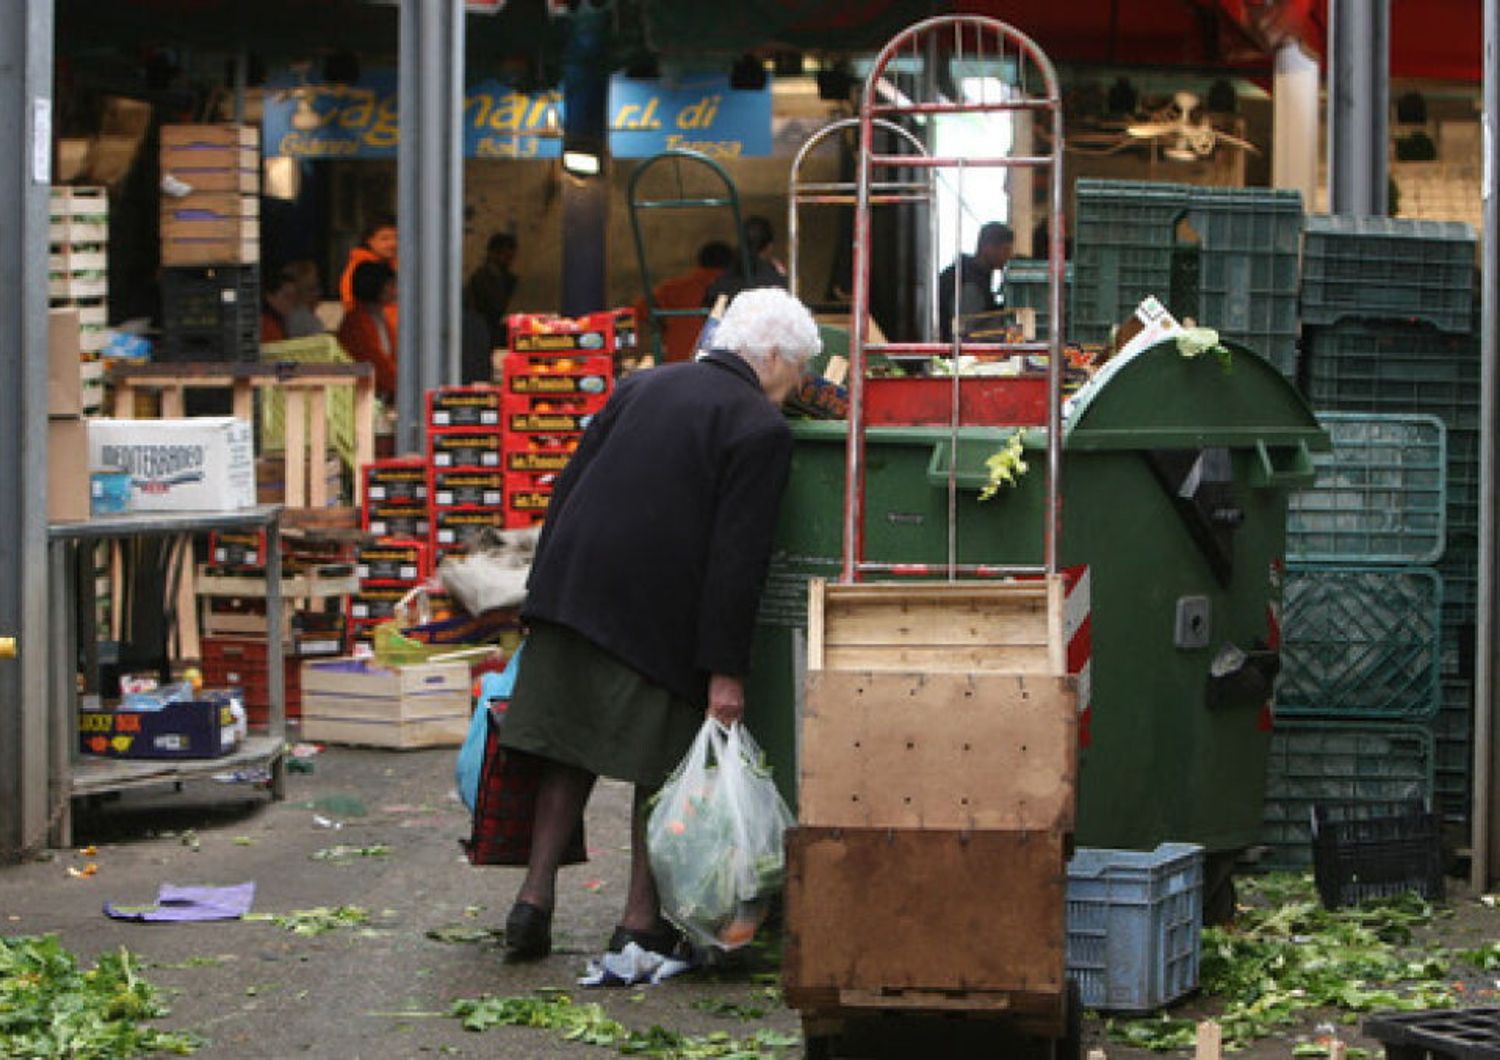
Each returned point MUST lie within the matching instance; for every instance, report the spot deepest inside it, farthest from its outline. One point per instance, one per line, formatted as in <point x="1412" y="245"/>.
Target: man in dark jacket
<point x="644" y="590"/>
<point x="976" y="273"/>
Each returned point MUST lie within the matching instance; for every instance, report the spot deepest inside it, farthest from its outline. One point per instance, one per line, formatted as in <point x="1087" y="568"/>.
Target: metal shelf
<point x="74" y="774"/>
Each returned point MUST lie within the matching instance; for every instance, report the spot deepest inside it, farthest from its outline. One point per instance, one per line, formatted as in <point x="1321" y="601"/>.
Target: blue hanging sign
<point x="700" y="113"/>
<point x="315" y="120"/>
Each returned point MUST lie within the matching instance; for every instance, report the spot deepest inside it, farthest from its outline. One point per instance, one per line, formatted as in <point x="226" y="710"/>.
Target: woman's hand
<point x="726" y="699"/>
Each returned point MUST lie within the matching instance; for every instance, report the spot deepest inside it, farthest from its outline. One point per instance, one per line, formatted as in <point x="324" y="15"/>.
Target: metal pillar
<point x="429" y="196"/>
<point x="1359" y="48"/>
<point x="26" y="125"/>
<point x="585" y="202"/>
<point x="1294" y="123"/>
<point x="1485" y="817"/>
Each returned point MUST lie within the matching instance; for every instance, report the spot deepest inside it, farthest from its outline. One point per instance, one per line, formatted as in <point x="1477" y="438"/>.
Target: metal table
<point x="73" y="774"/>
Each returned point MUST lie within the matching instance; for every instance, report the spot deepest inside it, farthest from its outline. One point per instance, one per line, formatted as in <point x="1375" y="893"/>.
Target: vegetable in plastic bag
<point x="715" y="839"/>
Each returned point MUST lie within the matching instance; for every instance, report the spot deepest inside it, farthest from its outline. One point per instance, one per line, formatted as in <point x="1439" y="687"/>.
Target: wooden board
<point x="872" y="913"/>
<point x="1004" y="627"/>
<point x="944" y="751"/>
<point x="369" y="732"/>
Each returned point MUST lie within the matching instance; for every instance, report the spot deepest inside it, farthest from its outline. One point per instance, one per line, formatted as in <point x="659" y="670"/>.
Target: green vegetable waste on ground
<point x="49" y="1007"/>
<point x="590" y="1024"/>
<point x="1285" y="958"/>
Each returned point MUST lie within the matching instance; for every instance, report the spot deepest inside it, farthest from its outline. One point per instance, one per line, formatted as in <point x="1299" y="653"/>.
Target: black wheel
<point x="1070" y="1045"/>
<point x="817" y="1042"/>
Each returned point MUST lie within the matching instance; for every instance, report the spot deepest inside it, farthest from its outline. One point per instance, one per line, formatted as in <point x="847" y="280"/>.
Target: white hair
<point x="763" y="320"/>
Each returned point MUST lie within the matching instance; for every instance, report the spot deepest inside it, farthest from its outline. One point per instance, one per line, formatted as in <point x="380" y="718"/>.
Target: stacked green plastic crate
<point x="1361" y="619"/>
<point x="1389" y="325"/>
<point x="1225" y="257"/>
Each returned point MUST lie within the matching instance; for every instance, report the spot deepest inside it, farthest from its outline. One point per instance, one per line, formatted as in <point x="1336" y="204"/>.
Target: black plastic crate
<point x="1442" y="1034"/>
<point x="210" y="313"/>
<point x="1374" y="850"/>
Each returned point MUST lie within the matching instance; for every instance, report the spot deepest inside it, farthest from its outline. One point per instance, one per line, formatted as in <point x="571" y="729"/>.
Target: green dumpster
<point x="1176" y="474"/>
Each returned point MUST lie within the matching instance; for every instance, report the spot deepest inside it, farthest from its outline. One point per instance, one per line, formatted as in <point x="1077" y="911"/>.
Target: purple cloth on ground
<point x="176" y="904"/>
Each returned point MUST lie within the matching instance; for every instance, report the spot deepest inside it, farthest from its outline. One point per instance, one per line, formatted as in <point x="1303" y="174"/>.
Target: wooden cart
<point x="927" y="874"/>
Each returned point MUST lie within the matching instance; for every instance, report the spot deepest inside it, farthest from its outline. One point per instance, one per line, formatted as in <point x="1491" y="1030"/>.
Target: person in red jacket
<point x="366" y="334"/>
<point x="378" y="243"/>
<point x="679" y="333"/>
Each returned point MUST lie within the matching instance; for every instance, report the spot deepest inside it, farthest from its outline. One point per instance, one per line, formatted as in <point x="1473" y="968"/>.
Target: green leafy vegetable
<point x="1005" y="467"/>
<point x="316" y="921"/>
<point x="49" y="1008"/>
<point x="588" y="1023"/>
<point x="344" y="853"/>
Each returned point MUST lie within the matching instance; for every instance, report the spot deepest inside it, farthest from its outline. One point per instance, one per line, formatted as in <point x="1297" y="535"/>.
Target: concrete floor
<point x="254" y="989"/>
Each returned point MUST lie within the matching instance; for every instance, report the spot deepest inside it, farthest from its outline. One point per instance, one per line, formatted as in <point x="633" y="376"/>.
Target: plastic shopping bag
<point x="714" y="836"/>
<point x="492" y="687"/>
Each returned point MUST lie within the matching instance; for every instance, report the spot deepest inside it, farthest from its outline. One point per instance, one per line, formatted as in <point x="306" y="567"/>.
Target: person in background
<point x="366" y="334"/>
<point x="303" y="319"/>
<point x="491" y="286"/>
<point x="765" y="269"/>
<point x="643" y="592"/>
<point x="976" y="274"/>
<point x="279" y="300"/>
<point x="687" y="291"/>
<point x="378" y="243"/>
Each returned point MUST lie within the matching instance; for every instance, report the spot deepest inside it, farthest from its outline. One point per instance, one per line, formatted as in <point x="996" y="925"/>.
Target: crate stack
<point x="78" y="274"/>
<point x="465" y="479"/>
<point x="1360" y="625"/>
<point x="210" y="243"/>
<point x="397" y="556"/>
<point x="555" y="379"/>
<point x="1390" y="325"/>
<point x="316" y="579"/>
<point x="1227" y="258"/>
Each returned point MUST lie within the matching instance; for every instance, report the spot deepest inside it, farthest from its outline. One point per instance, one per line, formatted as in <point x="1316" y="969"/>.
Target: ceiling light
<point x="581" y="162"/>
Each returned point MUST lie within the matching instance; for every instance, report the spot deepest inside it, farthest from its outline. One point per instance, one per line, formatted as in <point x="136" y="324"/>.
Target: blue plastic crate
<point x="1360" y="642"/>
<point x="1388" y="267"/>
<point x="1379" y="495"/>
<point x="1312" y="762"/>
<point x="1133" y="924"/>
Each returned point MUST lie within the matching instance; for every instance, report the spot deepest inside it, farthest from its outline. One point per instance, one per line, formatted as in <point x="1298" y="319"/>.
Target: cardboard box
<point x="67" y="470"/>
<point x="196" y="729"/>
<point x="202" y="463"/>
<point x="359" y="701"/>
<point x="64" y="344"/>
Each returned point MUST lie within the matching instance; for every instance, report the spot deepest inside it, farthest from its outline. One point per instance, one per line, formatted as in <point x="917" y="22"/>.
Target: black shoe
<point x="528" y="932"/>
<point x="665" y="940"/>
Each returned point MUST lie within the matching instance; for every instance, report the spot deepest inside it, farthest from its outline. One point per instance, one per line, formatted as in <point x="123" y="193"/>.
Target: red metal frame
<point x="979" y="43"/>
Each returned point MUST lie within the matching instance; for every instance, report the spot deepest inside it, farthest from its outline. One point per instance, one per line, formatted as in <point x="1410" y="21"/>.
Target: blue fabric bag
<point x="492" y="686"/>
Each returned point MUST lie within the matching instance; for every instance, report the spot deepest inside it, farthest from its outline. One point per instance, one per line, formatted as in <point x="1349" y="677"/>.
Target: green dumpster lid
<point x="1160" y="399"/>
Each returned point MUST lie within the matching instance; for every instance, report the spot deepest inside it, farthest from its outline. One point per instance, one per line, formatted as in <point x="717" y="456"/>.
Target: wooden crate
<point x="905" y="919"/>
<point x="938" y="750"/>
<point x="927" y="627"/>
<point x="361" y="702"/>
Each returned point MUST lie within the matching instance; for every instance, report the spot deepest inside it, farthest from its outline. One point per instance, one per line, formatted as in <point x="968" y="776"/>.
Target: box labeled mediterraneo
<point x="200" y="728"/>
<point x="201" y="463"/>
<point x="238" y="548"/>
<point x="376" y="602"/>
<point x="467" y="487"/>
<point x="463" y="406"/>
<point x="359" y="701"/>
<point x="465" y="448"/>
<point x="396" y="520"/>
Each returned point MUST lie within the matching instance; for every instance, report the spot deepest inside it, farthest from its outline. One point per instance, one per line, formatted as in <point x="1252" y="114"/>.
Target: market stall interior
<point x="1135" y="518"/>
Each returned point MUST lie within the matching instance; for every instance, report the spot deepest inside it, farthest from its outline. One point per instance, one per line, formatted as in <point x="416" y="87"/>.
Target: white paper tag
<point x="41" y="140"/>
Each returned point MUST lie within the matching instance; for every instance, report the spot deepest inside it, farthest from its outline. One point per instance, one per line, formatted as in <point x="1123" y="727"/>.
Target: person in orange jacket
<point x="679" y="333"/>
<point x="378" y="243"/>
<point x="365" y="333"/>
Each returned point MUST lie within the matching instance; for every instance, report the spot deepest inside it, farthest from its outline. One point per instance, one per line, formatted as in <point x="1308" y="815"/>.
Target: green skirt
<point x="576" y="703"/>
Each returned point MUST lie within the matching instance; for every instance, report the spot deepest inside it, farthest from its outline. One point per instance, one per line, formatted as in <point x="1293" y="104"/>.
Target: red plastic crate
<point x="237" y="548"/>
<point x="466" y="487"/>
<point x="538" y="334"/>
<point x="400" y="480"/>
<point x="523" y="520"/>
<point x="550" y="459"/>
<point x="232" y="662"/>
<point x="452" y="526"/>
<point x="457" y="407"/>
<point x="403" y="521"/>
<point x="467" y="447"/>
<point x="393" y="562"/>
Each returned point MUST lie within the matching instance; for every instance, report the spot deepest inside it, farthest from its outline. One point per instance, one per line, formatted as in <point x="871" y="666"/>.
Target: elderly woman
<point x="643" y="594"/>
